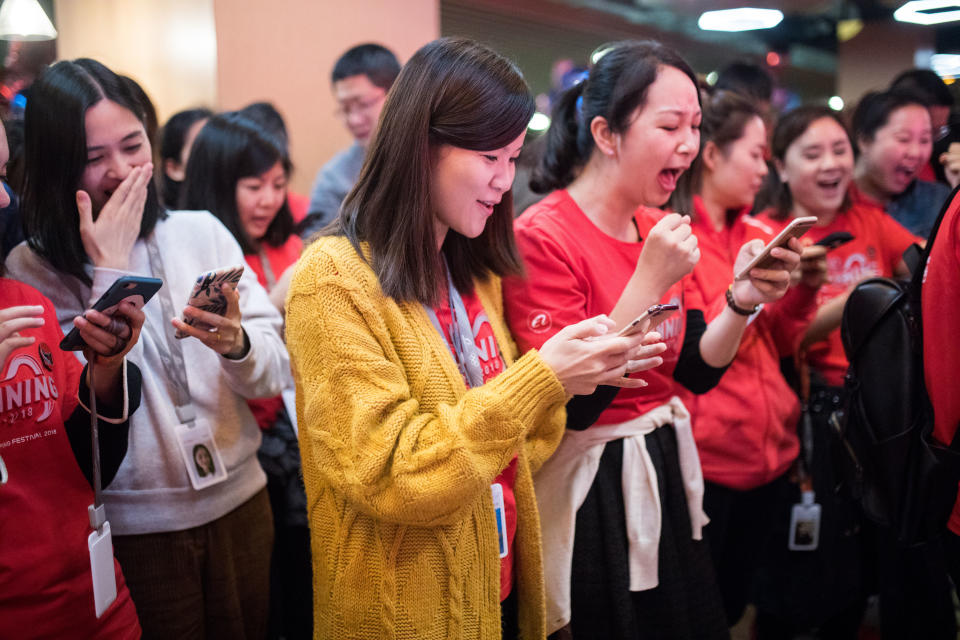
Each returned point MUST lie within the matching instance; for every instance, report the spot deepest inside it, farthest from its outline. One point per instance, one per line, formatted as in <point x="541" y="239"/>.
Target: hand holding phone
<point x="764" y="260"/>
<point x="207" y="295"/>
<point x="213" y="316"/>
<point x="649" y="319"/>
<point x="136" y="290"/>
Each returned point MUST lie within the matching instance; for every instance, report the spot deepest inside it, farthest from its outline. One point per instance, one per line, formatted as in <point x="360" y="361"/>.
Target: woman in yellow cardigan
<point x="419" y="425"/>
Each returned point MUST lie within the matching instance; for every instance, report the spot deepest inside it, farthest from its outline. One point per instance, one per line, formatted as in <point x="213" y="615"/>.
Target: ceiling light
<point x="742" y="19"/>
<point x="945" y="64"/>
<point x="539" y="122"/>
<point x="25" y="20"/>
<point x="928" y="11"/>
<point x="835" y="103"/>
<point x="712" y="78"/>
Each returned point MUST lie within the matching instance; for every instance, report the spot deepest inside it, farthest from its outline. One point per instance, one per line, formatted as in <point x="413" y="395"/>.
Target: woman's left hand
<point x="765" y="285"/>
<point x="225" y="335"/>
<point x="110" y="337"/>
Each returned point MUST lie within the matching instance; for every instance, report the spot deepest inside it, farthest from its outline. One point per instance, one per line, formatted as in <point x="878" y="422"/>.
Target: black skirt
<point x="686" y="605"/>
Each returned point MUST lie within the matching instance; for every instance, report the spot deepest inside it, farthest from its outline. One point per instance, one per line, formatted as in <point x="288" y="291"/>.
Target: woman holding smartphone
<point x="46" y="464"/>
<point x="827" y="588"/>
<point x="745" y="427"/>
<point x="625" y="486"/>
<point x="239" y="173"/>
<point x="196" y="549"/>
<point x="420" y="423"/>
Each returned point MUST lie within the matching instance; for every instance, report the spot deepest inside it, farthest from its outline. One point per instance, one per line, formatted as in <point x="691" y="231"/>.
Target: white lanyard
<point x="171" y="358"/>
<point x="462" y="341"/>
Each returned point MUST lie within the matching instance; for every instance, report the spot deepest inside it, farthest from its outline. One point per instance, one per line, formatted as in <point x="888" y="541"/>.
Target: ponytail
<point x="564" y="153"/>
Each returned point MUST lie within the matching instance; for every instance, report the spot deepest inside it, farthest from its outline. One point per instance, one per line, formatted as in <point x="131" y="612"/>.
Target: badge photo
<point x="200" y="454"/>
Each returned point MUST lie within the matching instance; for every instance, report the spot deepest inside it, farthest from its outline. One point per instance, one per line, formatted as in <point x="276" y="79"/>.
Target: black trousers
<point x="741" y="525"/>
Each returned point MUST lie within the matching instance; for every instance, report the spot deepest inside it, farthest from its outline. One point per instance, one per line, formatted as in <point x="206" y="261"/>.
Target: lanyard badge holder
<point x="804" y="533"/>
<point x="100" y="541"/>
<point x="467" y="356"/>
<point x="201" y="457"/>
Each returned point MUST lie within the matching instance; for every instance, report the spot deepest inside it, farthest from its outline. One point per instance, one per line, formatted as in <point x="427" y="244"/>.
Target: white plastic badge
<point x="500" y="512"/>
<point x="200" y="454"/>
<point x="805" y="524"/>
<point x="101" y="568"/>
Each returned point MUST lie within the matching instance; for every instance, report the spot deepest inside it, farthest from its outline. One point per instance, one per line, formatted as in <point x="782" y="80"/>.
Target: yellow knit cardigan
<point x="398" y="458"/>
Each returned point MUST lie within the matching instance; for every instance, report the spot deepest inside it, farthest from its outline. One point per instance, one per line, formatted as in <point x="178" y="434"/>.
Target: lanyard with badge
<point x="465" y="353"/>
<point x="100" y="540"/>
<point x="201" y="457"/>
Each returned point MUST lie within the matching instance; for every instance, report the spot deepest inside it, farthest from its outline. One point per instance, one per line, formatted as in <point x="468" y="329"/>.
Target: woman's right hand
<point x="109" y="239"/>
<point x="585" y="355"/>
<point x="669" y="251"/>
<point x="12" y="321"/>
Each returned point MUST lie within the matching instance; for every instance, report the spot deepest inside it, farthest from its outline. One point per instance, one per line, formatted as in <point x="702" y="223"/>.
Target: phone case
<point x="207" y="294"/>
<point x="136" y="289"/>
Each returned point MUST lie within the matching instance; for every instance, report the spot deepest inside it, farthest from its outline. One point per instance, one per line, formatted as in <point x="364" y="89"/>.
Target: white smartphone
<point x="207" y="294"/>
<point x="763" y="260"/>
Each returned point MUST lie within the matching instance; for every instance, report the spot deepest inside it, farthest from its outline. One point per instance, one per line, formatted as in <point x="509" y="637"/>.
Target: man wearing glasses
<point x="361" y="78"/>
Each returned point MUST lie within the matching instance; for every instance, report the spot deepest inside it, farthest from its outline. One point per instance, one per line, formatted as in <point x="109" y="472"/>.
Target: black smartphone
<point x="137" y="289"/>
<point x="834" y="240"/>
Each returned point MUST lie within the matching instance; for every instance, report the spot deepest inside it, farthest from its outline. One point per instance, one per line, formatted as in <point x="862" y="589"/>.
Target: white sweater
<point x="152" y="492"/>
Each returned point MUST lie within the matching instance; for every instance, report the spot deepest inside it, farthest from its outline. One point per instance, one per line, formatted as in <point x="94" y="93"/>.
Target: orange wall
<point x="283" y="51"/>
<point x="875" y="56"/>
<point x="227" y="53"/>
<point x="168" y="46"/>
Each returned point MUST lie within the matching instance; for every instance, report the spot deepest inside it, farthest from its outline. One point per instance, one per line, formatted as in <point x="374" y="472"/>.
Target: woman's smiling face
<point x="817" y="167"/>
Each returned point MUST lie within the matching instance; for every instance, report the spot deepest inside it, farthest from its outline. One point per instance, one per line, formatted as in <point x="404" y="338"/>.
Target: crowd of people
<point x="422" y="413"/>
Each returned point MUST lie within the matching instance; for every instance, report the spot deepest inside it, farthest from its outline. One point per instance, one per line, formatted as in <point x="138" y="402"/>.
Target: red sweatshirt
<point x="575" y="271"/>
<point x="941" y="347"/>
<point x="46" y="589"/>
<point x="745" y="427"/>
<point x="876" y="250"/>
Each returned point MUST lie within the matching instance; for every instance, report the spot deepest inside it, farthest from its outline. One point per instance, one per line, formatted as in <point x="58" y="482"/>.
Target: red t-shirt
<point x="492" y="364"/>
<point x="46" y="589"/>
<point x="575" y="271"/>
<point x="941" y="348"/>
<point x="876" y="249"/>
<point x="265" y="410"/>
<point x="745" y="427"/>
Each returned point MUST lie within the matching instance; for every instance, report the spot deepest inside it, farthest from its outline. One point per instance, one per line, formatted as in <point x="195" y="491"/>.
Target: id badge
<point x="500" y="512"/>
<point x="101" y="568"/>
<point x="200" y="454"/>
<point x="805" y="524"/>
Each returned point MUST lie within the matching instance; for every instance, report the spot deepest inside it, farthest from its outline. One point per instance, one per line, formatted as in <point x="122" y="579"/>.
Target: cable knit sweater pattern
<point x="398" y="458"/>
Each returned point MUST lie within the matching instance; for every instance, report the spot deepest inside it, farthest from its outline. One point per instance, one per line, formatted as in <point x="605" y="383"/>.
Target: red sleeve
<point x="896" y="240"/>
<point x="789" y="318"/>
<point x="549" y="297"/>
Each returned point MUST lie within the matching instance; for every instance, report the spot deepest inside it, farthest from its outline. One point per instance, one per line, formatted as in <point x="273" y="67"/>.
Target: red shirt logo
<point x="539" y="321"/>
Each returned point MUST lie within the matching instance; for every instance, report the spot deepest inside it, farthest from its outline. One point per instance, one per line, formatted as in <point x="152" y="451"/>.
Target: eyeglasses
<point x="358" y="105"/>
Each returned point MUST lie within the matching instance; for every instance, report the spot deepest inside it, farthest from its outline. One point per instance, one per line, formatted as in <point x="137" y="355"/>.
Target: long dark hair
<point x="452" y="92"/>
<point x="725" y="117"/>
<point x="616" y="86"/>
<point x="789" y="127"/>
<point x="172" y="139"/>
<point x="55" y="155"/>
<point x="228" y="148"/>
